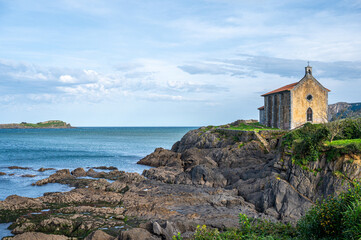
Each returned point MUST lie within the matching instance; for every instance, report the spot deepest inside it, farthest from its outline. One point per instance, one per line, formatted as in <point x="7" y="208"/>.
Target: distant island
<point x="46" y="124"/>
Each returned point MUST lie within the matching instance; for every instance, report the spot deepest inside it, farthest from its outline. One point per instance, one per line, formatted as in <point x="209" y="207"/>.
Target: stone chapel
<point x="295" y="104"/>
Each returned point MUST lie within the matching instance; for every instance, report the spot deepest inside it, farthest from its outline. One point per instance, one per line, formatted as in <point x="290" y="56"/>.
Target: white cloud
<point x="67" y="79"/>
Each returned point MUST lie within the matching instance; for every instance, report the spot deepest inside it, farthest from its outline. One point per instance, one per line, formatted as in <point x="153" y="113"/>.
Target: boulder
<point x="162" y="157"/>
<point x="2" y="173"/>
<point x="94" y="174"/>
<point x="39" y="236"/>
<point x="45" y="169"/>
<point x="99" y="235"/>
<point x="167" y="231"/>
<point x="78" y="172"/>
<point x="137" y="234"/>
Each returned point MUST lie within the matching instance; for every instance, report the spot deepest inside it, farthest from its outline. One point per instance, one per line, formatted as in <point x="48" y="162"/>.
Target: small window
<point x="309" y="97"/>
<point x="309" y="115"/>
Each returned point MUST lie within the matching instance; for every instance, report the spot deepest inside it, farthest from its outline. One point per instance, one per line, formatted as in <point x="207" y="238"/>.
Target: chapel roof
<point x="281" y="89"/>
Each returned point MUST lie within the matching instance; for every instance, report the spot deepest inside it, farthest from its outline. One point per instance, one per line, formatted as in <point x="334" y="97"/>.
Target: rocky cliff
<point x="343" y="110"/>
<point x="256" y="166"/>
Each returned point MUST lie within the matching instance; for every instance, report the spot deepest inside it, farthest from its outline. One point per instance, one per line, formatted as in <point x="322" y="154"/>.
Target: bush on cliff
<point x="309" y="142"/>
<point x="306" y="142"/>
<point x="335" y="218"/>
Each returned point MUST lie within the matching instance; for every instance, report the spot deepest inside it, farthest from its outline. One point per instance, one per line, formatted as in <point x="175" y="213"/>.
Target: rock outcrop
<point x="253" y="164"/>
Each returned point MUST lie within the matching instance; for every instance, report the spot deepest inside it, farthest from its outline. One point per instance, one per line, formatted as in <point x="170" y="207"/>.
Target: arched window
<point x="309" y="115"/>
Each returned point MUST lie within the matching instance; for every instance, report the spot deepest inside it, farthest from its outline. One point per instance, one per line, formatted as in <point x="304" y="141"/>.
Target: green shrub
<point x="335" y="218"/>
<point x="249" y="229"/>
<point x="350" y="129"/>
<point x="306" y="142"/>
<point x="352" y="221"/>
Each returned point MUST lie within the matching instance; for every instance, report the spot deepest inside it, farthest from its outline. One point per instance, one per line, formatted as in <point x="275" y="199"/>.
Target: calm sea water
<point x="121" y="147"/>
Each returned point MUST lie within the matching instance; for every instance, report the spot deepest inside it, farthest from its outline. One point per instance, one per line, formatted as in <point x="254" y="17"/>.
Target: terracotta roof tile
<point x="284" y="88"/>
<point x="261" y="108"/>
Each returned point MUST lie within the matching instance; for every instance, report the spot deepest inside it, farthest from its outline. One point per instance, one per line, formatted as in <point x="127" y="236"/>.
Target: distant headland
<point x="46" y="124"/>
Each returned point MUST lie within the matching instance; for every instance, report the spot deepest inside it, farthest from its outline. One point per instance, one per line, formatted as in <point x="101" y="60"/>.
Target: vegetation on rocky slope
<point x="337" y="218"/>
<point x="313" y="141"/>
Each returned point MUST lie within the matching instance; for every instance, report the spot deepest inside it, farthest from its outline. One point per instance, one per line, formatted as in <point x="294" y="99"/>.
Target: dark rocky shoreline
<point x="208" y="177"/>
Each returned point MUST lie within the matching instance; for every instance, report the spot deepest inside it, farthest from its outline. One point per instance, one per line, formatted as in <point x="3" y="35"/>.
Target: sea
<point x="84" y="147"/>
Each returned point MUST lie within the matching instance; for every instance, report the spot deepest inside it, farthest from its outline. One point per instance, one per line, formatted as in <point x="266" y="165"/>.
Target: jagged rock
<point x="2" y="173"/>
<point x="94" y="174"/>
<point x="163" y="174"/>
<point x="137" y="234"/>
<point x="45" y="169"/>
<point x="24" y="227"/>
<point x="14" y="202"/>
<point x="202" y="175"/>
<point x="59" y="175"/>
<point x="57" y="224"/>
<point x="116" y="186"/>
<point x="99" y="235"/>
<point x="166" y="232"/>
<point x="99" y="184"/>
<point x="193" y="157"/>
<point x="162" y="157"/>
<point x="38" y="236"/>
<point x="78" y="172"/>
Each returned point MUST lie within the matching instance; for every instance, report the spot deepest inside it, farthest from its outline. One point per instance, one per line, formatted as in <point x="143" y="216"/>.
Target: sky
<point x="169" y="63"/>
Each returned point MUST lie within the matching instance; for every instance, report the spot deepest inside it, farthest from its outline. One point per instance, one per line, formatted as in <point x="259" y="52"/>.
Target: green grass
<point x="252" y="127"/>
<point x="343" y="142"/>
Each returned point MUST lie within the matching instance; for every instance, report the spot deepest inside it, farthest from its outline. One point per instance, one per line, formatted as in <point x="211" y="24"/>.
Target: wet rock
<point x="45" y="169"/>
<point x="78" y="172"/>
<point x="137" y="233"/>
<point x="106" y="168"/>
<point x="56" y="177"/>
<point x="28" y="175"/>
<point x="2" y="173"/>
<point x="94" y="174"/>
<point x="38" y="236"/>
<point x="99" y="235"/>
<point x="17" y="167"/>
